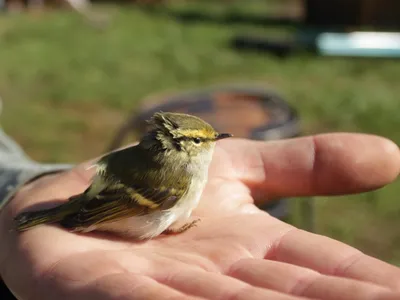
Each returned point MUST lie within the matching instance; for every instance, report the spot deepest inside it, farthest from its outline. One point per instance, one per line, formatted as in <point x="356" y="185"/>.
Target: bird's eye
<point x="196" y="140"/>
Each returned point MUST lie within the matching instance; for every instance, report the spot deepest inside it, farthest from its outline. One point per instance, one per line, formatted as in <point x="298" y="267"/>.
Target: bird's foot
<point x="183" y="228"/>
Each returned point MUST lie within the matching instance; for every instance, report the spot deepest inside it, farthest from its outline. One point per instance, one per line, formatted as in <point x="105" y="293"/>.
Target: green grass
<point x="67" y="88"/>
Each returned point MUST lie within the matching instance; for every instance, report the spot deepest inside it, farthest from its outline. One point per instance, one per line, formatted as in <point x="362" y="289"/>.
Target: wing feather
<point x="121" y="191"/>
<point x="116" y="204"/>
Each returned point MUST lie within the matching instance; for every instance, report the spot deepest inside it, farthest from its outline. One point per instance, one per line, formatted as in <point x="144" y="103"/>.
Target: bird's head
<point x="184" y="133"/>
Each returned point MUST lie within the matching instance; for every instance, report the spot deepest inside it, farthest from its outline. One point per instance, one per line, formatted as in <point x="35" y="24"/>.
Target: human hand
<point x="235" y="252"/>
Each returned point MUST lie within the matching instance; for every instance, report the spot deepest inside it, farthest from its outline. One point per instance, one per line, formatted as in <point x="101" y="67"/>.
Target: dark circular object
<point x="197" y="140"/>
<point x="247" y="112"/>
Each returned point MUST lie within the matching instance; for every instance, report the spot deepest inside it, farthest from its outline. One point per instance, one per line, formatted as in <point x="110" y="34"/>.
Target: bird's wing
<point x="102" y="209"/>
<point x="132" y="183"/>
<point x="150" y="182"/>
<point x="119" y="202"/>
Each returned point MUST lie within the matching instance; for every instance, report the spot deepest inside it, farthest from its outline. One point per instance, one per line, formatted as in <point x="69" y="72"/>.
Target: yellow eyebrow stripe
<point x="200" y="133"/>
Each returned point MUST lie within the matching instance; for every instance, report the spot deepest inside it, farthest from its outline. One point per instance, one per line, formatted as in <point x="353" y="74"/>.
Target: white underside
<point x="152" y="225"/>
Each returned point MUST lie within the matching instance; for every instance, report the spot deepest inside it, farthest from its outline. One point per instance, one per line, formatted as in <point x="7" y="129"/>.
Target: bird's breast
<point x="191" y="198"/>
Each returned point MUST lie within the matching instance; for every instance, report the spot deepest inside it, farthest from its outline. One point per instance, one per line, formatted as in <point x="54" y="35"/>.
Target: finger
<point x="217" y="286"/>
<point x="300" y="281"/>
<point x="327" y="164"/>
<point x="331" y="257"/>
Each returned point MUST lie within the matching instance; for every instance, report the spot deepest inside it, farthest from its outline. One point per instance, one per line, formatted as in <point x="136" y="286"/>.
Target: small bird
<point x="144" y="190"/>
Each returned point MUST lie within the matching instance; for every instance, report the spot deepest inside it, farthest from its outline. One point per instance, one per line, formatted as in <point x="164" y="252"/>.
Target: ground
<point x="67" y="88"/>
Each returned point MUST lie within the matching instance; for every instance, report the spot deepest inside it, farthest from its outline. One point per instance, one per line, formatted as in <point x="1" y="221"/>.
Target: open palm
<point x="235" y="252"/>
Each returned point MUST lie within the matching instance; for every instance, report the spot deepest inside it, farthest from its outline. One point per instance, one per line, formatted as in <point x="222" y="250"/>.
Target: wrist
<point x="13" y="179"/>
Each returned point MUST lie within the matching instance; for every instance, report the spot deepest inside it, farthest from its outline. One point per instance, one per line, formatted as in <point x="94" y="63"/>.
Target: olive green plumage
<point x="154" y="175"/>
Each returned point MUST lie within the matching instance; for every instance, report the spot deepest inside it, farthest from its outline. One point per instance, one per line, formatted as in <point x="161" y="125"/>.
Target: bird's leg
<point x="182" y="228"/>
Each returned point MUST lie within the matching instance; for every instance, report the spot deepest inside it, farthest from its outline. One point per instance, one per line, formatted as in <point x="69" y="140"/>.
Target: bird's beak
<point x="223" y="136"/>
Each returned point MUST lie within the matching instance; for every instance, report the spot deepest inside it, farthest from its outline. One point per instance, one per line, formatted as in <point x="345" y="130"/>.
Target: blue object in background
<point x="361" y="44"/>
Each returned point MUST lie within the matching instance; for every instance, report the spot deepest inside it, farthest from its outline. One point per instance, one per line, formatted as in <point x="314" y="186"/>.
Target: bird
<point x="144" y="190"/>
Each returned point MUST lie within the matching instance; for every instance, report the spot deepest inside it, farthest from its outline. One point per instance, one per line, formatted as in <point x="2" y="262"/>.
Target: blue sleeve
<point x="16" y="168"/>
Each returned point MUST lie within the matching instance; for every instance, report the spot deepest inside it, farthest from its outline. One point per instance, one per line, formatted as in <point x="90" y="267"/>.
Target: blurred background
<point x="72" y="73"/>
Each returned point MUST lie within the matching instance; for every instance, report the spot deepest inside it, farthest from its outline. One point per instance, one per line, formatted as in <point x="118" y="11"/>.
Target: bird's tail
<point x="27" y="220"/>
